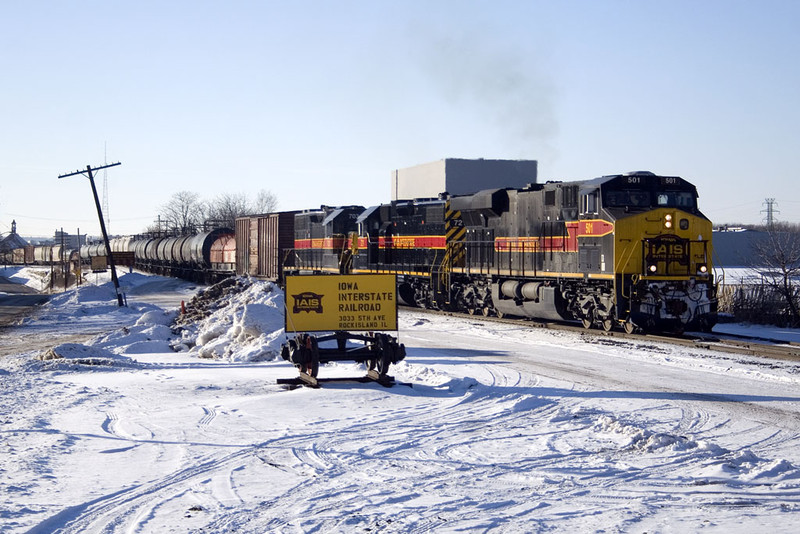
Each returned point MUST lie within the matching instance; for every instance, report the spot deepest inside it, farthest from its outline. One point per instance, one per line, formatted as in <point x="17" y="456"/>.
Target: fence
<point x="758" y="304"/>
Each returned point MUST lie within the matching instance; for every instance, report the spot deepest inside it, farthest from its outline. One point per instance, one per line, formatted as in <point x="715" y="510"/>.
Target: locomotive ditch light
<point x="653" y="268"/>
<point x="668" y="221"/>
<point x="702" y="269"/>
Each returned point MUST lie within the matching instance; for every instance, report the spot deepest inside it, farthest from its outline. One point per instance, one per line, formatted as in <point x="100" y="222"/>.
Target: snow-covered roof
<point x="12" y="241"/>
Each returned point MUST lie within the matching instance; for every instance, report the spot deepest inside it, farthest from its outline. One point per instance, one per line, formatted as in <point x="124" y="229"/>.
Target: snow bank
<point x="76" y="353"/>
<point x="238" y="320"/>
<point x="33" y="277"/>
<point x="243" y="321"/>
<point x="93" y="301"/>
<point x="424" y="375"/>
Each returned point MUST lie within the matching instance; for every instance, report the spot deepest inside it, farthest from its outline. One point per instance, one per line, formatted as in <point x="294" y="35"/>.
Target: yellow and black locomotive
<point x="631" y="250"/>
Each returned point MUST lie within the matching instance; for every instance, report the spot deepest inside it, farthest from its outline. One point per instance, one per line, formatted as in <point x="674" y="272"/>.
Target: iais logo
<point x="307" y="302"/>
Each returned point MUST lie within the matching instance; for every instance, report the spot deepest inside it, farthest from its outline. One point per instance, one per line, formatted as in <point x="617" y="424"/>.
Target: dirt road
<point x="17" y="300"/>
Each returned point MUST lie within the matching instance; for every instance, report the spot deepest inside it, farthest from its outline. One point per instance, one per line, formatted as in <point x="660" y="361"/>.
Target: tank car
<point x="222" y="257"/>
<point x="48" y="254"/>
<point x="22" y="255"/>
<point x="187" y="256"/>
<point x="205" y="257"/>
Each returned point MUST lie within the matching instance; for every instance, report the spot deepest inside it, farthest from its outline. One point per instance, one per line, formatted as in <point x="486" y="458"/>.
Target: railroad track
<point x="730" y="343"/>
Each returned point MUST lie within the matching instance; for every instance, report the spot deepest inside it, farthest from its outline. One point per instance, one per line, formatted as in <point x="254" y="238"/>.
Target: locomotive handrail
<point x="633" y="275"/>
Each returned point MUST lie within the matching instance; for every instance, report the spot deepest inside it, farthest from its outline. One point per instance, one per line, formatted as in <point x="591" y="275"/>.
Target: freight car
<point x="204" y="258"/>
<point x="263" y="244"/>
<point x="43" y="255"/>
<point x="628" y="250"/>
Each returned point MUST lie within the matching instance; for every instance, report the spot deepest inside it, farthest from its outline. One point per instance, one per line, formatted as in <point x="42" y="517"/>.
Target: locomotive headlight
<point x="653" y="268"/>
<point x="668" y="221"/>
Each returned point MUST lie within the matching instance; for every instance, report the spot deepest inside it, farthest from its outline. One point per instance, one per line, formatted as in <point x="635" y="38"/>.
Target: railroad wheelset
<point x="303" y="352"/>
<point x="377" y="352"/>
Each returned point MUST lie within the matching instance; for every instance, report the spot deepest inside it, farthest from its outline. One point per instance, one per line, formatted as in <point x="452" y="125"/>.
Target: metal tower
<point x="770" y="211"/>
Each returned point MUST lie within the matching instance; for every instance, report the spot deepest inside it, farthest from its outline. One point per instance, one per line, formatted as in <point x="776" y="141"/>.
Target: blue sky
<point x="319" y="101"/>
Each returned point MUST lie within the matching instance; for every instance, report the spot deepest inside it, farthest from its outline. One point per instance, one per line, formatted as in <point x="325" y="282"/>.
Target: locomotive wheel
<point x="588" y="320"/>
<point x="629" y="327"/>
<point x="486" y="311"/>
<point x="471" y="311"/>
<point x="607" y="324"/>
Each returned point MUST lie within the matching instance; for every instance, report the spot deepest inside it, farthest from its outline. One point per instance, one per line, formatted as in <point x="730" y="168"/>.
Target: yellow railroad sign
<point x="327" y="303"/>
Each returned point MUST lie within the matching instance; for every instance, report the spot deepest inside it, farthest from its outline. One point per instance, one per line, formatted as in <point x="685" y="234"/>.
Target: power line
<point x="61" y="219"/>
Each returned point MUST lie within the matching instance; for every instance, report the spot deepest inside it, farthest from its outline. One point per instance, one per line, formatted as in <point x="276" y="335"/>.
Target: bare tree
<point x="778" y="258"/>
<point x="265" y="202"/>
<point x="184" y="212"/>
<point x="225" y="208"/>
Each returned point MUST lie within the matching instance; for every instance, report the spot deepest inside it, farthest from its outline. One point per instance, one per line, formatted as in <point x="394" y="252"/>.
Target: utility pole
<point x="62" y="260"/>
<point x="88" y="174"/>
<point x="106" y="211"/>
<point x="79" y="272"/>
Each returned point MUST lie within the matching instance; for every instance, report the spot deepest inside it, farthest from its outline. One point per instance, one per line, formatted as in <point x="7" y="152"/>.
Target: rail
<point x="728" y="343"/>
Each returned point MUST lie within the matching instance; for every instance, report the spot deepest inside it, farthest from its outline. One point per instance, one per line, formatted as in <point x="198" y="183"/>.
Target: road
<point x="17" y="300"/>
<point x="505" y="428"/>
<point x="721" y="395"/>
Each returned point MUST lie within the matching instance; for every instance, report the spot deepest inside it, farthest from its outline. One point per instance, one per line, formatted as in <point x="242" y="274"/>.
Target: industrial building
<point x="461" y="177"/>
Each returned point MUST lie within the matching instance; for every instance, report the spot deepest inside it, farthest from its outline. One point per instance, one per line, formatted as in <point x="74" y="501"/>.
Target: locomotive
<point x="630" y="250"/>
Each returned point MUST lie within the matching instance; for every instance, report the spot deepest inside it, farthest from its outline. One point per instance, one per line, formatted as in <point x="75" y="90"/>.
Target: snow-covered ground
<point x="104" y="427"/>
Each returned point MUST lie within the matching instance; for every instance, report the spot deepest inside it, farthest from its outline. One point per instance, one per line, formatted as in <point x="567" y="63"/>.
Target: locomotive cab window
<point x="676" y="199"/>
<point x="627" y="198"/>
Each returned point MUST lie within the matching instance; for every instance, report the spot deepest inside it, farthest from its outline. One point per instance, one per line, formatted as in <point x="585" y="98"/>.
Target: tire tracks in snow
<point x="131" y="508"/>
<point x="424" y="453"/>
